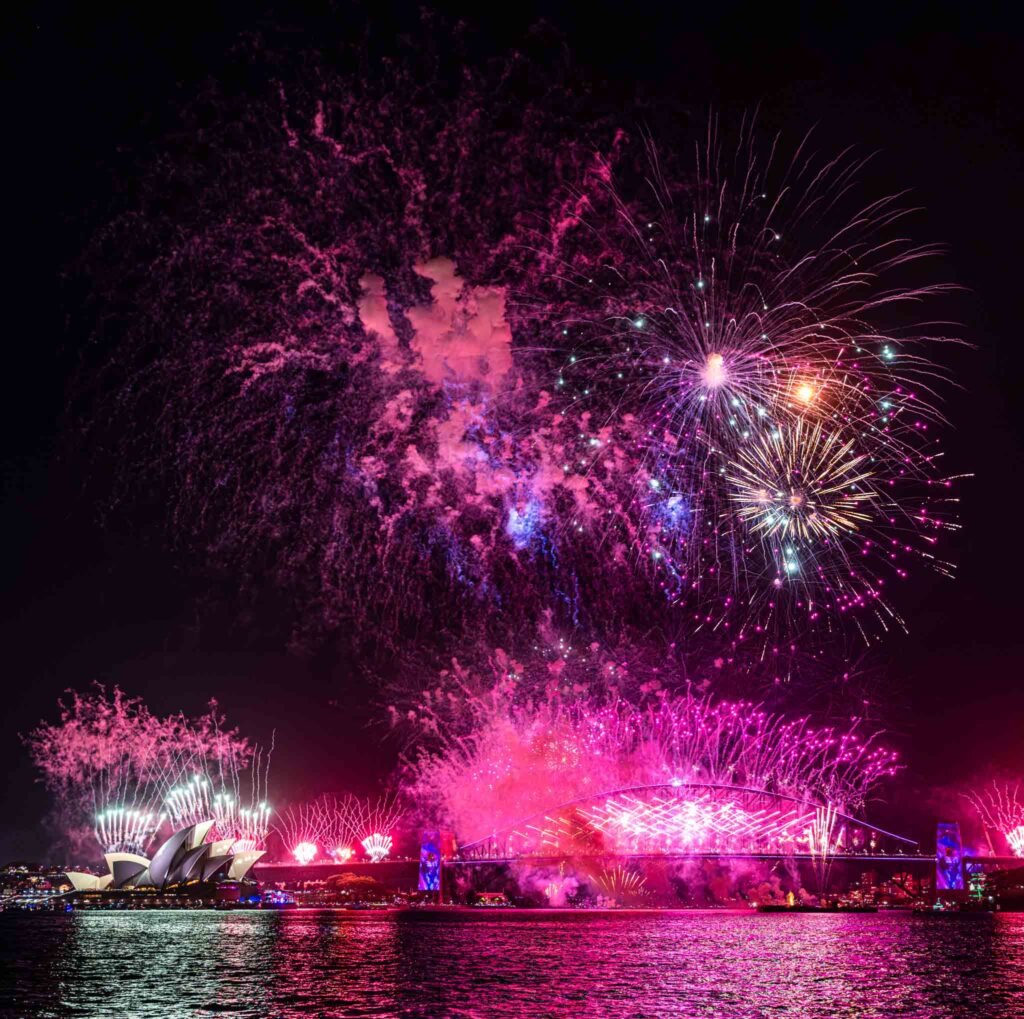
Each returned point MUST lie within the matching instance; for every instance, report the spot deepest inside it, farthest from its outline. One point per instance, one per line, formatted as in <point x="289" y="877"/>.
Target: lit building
<point x="185" y="866"/>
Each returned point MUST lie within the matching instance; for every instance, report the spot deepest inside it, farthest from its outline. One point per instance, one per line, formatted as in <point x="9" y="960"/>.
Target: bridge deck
<point x="799" y="857"/>
<point x="1001" y="861"/>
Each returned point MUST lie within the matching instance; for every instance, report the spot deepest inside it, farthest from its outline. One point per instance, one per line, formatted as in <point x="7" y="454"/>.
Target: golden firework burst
<point x="803" y="482"/>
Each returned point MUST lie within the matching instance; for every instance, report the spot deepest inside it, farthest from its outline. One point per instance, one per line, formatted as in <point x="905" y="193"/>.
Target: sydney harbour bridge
<point x="686" y="820"/>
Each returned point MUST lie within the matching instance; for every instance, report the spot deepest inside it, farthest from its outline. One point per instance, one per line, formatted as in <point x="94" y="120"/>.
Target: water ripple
<point x="685" y="965"/>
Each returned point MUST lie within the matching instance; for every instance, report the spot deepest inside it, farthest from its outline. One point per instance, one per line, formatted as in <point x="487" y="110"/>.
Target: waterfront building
<point x="184" y="869"/>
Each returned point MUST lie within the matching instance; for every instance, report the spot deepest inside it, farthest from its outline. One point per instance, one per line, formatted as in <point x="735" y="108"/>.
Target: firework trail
<point x="246" y="826"/>
<point x="782" y="441"/>
<point x="434" y="373"/>
<point x="338" y="833"/>
<point x="189" y="803"/>
<point x="220" y="784"/>
<point x="330" y="822"/>
<point x="334" y="826"/>
<point x="372" y="821"/>
<point x="301" y="828"/>
<point x="621" y="883"/>
<point x="823" y="841"/>
<point x="239" y="807"/>
<point x="121" y="830"/>
<point x="495" y="760"/>
<point x="1001" y="808"/>
<point x="111" y="764"/>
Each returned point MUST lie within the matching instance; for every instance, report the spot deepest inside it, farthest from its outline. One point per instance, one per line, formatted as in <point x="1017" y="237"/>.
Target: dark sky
<point x="939" y="99"/>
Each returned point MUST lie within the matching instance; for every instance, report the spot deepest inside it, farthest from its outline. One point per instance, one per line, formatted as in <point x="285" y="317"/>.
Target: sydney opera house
<point x="184" y="867"/>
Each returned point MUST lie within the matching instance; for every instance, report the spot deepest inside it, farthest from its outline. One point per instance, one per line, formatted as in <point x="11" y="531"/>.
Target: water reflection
<point x="325" y="963"/>
<point x="696" y="964"/>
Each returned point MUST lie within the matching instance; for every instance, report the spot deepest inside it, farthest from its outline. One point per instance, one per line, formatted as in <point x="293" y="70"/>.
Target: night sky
<point x="87" y="597"/>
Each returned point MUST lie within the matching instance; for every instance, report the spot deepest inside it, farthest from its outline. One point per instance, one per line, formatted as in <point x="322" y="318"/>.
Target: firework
<point x="233" y="799"/>
<point x="372" y="819"/>
<point x="247" y="827"/>
<point x="801" y="485"/>
<point x="366" y="415"/>
<point x="785" y="463"/>
<point x="799" y="489"/>
<point x="620" y="882"/>
<point x="445" y="704"/>
<point x="674" y="819"/>
<point x="1015" y="839"/>
<point x="121" y="830"/>
<point x="330" y="821"/>
<point x="689" y="821"/>
<point x="189" y="803"/>
<point x="338" y="830"/>
<point x="335" y="824"/>
<point x="192" y="802"/>
<point x="301" y="828"/>
<point x="507" y="421"/>
<point x="823" y="840"/>
<point x="305" y="852"/>
<point x="377" y="846"/>
<point x="514" y="761"/>
<point x="239" y="808"/>
<point x="116" y="770"/>
<point x="1001" y="808"/>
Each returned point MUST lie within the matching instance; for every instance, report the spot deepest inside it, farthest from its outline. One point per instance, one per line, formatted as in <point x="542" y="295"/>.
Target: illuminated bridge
<point x="688" y="820"/>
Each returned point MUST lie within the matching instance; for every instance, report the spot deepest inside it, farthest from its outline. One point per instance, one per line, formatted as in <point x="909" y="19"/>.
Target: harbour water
<point x="690" y="965"/>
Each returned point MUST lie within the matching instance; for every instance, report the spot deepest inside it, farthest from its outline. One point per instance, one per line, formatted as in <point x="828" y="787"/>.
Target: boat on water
<point x="275" y="899"/>
<point x="955" y="909"/>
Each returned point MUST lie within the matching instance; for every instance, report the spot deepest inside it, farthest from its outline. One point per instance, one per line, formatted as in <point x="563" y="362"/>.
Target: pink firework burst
<point x="432" y="372"/>
<point x="335" y="825"/>
<point x="115" y="768"/>
<point x="499" y="761"/>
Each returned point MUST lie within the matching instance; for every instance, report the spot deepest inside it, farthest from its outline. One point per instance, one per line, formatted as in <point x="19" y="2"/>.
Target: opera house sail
<point x="185" y="865"/>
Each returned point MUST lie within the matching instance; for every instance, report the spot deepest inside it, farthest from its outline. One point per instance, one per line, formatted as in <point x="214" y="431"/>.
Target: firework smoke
<point x="434" y="372"/>
<point x="367" y="422"/>
<point x="489" y="760"/>
<point x="111" y="765"/>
